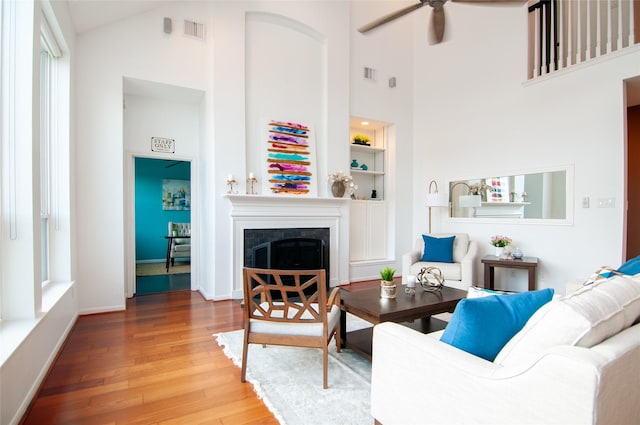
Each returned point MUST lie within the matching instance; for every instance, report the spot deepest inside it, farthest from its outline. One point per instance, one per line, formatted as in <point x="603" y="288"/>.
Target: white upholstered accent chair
<point x="459" y="274"/>
<point x="180" y="247"/>
<point x="290" y="307"/>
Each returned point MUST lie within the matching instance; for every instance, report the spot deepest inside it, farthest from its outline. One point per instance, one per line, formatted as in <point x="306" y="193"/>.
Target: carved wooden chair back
<point x="289" y="307"/>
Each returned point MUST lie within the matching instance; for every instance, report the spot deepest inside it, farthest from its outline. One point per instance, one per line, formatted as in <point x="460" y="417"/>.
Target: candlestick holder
<point x="250" y="182"/>
<point x="231" y="182"/>
<point x="410" y="288"/>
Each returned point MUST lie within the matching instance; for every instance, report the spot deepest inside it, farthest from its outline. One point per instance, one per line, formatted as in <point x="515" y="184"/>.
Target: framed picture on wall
<point x="176" y="195"/>
<point x="291" y="162"/>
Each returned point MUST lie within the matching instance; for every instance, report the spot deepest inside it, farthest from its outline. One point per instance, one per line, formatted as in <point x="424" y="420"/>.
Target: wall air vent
<point x="194" y="29"/>
<point x="369" y="73"/>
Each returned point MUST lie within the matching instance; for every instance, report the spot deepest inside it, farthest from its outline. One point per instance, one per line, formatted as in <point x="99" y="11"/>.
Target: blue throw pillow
<point x="631" y="267"/>
<point x="482" y="326"/>
<point x="438" y="250"/>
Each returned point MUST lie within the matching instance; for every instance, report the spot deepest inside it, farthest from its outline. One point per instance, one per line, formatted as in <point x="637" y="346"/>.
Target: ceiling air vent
<point x="194" y="29"/>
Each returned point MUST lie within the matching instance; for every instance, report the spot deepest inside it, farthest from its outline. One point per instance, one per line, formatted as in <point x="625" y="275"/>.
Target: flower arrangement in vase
<point x="341" y="184"/>
<point x="480" y="189"/>
<point x="500" y="242"/>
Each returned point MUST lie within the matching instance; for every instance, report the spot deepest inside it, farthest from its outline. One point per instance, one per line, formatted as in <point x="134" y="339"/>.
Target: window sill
<point x="14" y="332"/>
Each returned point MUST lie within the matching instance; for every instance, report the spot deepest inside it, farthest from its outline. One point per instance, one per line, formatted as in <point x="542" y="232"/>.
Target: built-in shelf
<point x="364" y="148"/>
<point x="373" y="156"/>
<point x="370" y="172"/>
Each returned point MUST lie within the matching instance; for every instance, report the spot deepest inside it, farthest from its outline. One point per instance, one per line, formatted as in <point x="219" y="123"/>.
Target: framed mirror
<point x="538" y="196"/>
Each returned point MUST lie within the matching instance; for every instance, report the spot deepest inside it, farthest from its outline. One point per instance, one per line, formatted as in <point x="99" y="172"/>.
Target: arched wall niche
<point x="285" y="80"/>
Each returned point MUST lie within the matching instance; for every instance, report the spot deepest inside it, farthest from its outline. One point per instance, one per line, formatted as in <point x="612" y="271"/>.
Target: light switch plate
<point x="606" y="202"/>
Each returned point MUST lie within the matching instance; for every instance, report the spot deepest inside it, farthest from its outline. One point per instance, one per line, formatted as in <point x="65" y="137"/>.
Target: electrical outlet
<point x="606" y="202"/>
<point x="585" y="202"/>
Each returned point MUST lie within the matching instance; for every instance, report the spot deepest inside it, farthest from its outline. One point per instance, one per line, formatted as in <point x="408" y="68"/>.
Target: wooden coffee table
<point x="413" y="311"/>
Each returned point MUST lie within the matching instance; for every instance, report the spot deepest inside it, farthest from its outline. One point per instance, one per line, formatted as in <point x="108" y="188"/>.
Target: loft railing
<point x="563" y="33"/>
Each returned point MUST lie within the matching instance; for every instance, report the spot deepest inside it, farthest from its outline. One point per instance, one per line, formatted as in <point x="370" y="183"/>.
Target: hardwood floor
<point x="155" y="363"/>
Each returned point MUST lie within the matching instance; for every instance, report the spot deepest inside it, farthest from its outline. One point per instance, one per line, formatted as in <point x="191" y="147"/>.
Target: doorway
<point x="632" y="247"/>
<point x="162" y="195"/>
<point x="151" y="111"/>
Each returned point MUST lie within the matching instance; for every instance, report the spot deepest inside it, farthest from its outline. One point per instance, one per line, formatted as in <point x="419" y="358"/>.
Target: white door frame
<point x="130" y="217"/>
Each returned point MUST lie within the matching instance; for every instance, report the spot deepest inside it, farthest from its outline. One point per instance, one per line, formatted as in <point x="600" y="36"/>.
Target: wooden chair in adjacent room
<point x="290" y="307"/>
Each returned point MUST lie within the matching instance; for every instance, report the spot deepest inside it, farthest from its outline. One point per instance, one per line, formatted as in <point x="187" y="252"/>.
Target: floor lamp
<point x="435" y="199"/>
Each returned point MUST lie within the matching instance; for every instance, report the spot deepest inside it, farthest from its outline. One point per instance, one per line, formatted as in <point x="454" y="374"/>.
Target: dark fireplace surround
<point x="288" y="248"/>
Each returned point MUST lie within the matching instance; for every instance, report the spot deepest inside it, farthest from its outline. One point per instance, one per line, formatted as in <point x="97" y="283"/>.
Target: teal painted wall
<point x="151" y="219"/>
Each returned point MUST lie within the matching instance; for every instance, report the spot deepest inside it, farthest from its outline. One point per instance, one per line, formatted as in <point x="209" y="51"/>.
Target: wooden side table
<point x="491" y="262"/>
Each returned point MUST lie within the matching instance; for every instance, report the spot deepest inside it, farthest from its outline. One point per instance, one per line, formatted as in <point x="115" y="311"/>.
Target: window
<point x="49" y="52"/>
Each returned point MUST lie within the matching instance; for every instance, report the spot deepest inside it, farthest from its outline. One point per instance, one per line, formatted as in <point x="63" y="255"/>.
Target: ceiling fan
<point x="437" y="17"/>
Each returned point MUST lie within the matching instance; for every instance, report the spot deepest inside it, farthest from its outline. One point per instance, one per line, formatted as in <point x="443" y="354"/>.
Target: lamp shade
<point x="470" y="201"/>
<point x="437" y="200"/>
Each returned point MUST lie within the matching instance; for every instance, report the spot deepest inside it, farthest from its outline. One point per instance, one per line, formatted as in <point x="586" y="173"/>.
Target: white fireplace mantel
<point x="289" y="211"/>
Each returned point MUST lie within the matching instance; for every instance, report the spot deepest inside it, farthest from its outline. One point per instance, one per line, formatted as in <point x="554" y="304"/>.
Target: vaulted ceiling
<point x="90" y="14"/>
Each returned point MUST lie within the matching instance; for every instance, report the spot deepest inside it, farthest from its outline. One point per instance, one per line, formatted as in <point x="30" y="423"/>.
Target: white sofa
<point x="556" y="370"/>
<point x="459" y="274"/>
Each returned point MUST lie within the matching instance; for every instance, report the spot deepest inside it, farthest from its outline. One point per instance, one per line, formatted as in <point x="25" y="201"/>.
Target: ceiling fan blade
<point x="488" y="1"/>
<point x="390" y="17"/>
<point x="437" y="23"/>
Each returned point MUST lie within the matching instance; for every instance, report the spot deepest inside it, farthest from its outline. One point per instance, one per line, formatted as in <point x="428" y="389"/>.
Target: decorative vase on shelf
<point x="499" y="251"/>
<point x="354" y="164"/>
<point x="338" y="189"/>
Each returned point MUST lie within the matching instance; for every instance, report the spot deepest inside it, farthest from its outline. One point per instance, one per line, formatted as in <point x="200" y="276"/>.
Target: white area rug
<point x="289" y="381"/>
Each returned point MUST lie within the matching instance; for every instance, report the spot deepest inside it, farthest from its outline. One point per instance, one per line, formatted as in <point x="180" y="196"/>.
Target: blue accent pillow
<point x="482" y="326"/>
<point x="438" y="250"/>
<point x="631" y="267"/>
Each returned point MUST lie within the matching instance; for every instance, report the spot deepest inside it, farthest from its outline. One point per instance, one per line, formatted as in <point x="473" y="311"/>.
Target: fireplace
<point x="258" y="219"/>
<point x="287" y="249"/>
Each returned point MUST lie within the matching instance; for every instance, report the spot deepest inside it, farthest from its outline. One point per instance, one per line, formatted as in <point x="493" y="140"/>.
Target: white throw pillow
<point x="475" y="292"/>
<point x="583" y="318"/>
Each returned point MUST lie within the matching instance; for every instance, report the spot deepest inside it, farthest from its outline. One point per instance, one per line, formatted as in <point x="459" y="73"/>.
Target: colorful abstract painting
<point x="497" y="194"/>
<point x="289" y="158"/>
<point x="176" y="195"/>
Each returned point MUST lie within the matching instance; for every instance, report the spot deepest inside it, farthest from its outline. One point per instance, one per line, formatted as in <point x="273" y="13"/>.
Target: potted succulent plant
<point x="388" y="287"/>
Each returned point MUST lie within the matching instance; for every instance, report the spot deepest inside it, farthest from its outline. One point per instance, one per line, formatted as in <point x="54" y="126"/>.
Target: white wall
<point x="137" y="48"/>
<point x="389" y="50"/>
<point x="479" y="117"/>
<point x="285" y="81"/>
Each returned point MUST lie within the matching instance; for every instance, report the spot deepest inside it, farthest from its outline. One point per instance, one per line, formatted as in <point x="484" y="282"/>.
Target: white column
<point x="598" y="28"/>
<point x="631" y="23"/>
<point x="589" y="53"/>
<point x="609" y="20"/>
<point x="20" y="274"/>
<point x="570" y="33"/>
<point x="620" y="28"/>
<point x="561" y="38"/>
<point x="578" y="32"/>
